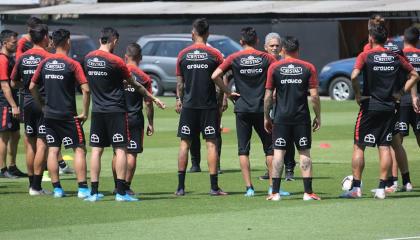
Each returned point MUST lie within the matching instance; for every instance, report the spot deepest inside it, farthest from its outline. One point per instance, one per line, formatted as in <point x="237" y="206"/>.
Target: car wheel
<point x="157" y="88"/>
<point x="341" y="89"/>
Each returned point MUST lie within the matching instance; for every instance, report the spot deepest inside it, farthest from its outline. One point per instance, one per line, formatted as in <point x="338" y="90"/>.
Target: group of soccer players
<point x="271" y="97"/>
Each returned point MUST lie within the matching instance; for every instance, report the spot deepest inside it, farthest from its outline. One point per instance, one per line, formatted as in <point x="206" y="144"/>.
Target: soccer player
<point x="59" y="75"/>
<point x="134" y="102"/>
<point x="374" y="126"/>
<point x="106" y="73"/>
<point x="34" y="120"/>
<point x="196" y="101"/>
<point x="10" y="111"/>
<point x="292" y="78"/>
<point x="25" y="42"/>
<point x="249" y="67"/>
<point x="273" y="46"/>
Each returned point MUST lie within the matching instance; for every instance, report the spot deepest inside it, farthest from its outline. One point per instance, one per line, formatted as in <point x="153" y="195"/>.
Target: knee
<point x="306" y="163"/>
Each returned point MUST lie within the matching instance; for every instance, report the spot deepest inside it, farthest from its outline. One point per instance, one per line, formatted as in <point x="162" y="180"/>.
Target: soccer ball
<point x="346" y="183"/>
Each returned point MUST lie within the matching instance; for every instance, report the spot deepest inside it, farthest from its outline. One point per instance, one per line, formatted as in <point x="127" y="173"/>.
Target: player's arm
<point x="316" y="105"/>
<point x="15" y="77"/>
<point x="411" y="85"/>
<point x="179" y="93"/>
<point x="150" y="112"/>
<point x="33" y="86"/>
<point x="86" y="102"/>
<point x="225" y="98"/>
<point x="219" y="83"/>
<point x="7" y="91"/>
<point x="143" y="91"/>
<point x="268" y="105"/>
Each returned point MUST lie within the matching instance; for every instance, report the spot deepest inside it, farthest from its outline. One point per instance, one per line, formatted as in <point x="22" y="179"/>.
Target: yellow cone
<point x="67" y="158"/>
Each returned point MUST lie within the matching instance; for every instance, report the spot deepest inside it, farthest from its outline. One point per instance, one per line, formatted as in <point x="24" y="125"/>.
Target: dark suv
<point x="160" y="53"/>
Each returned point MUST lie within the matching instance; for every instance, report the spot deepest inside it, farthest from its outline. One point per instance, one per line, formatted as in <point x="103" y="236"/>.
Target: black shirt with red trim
<point x="196" y="64"/>
<point x="106" y="73"/>
<point x="249" y="68"/>
<point x="60" y="74"/>
<point x="413" y="56"/>
<point x="382" y="70"/>
<point x="25" y="68"/>
<point x="6" y="68"/>
<point x="291" y="78"/>
<point x="390" y="44"/>
<point x="23" y="45"/>
<point x="134" y="99"/>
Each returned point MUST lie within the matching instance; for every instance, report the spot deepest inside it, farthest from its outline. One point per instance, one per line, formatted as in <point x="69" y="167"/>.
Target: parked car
<point x="160" y="53"/>
<point x="81" y="45"/>
<point x="334" y="78"/>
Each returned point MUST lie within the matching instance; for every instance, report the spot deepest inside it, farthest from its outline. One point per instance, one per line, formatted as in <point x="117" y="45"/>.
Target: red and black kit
<point x="292" y="78"/>
<point x="8" y="123"/>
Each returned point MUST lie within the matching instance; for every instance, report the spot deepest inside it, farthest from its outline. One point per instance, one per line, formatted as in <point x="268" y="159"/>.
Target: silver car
<point x="160" y="53"/>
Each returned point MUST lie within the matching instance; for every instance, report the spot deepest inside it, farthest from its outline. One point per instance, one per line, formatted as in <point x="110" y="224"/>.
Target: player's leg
<point x="81" y="171"/>
<point x="12" y="150"/>
<point x="40" y="160"/>
<point x="53" y="171"/>
<point x="4" y="139"/>
<point x="184" y="147"/>
<point x="219" y="143"/>
<point x="121" y="169"/>
<point x="131" y="170"/>
<point x="30" y="149"/>
<point x="290" y="163"/>
<point x="244" y="133"/>
<point x="384" y="165"/>
<point x="401" y="158"/>
<point x="63" y="168"/>
<point x="95" y="168"/>
<point x="195" y="152"/>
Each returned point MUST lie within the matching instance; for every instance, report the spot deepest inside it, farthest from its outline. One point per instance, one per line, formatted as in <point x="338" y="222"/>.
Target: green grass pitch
<point x="161" y="215"/>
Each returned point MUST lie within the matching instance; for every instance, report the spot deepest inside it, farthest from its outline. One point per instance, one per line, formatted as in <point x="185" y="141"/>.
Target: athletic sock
<point x="115" y="183"/>
<point x="382" y="184"/>
<point x="62" y="164"/>
<point x="250" y="187"/>
<point x="307" y="185"/>
<point x="36" y="184"/>
<point x="3" y="170"/>
<point x="121" y="186"/>
<point x="82" y="184"/>
<point x="389" y="182"/>
<point x="56" y="185"/>
<point x="406" y="178"/>
<point x="31" y="180"/>
<point x="94" y="188"/>
<point x="181" y="180"/>
<point x="276" y="185"/>
<point x="214" y="182"/>
<point x="356" y="183"/>
<point x="128" y="185"/>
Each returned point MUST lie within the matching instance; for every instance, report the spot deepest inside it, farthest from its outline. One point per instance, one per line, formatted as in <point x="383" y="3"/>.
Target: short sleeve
<point x="269" y="83"/>
<point x="227" y="64"/>
<point x="367" y="47"/>
<point x="360" y="61"/>
<point x="405" y="64"/>
<point x="313" y="80"/>
<point x="4" y="65"/>
<point x="124" y="70"/>
<point x="79" y="73"/>
<point x="219" y="57"/>
<point x="37" y="75"/>
<point x="15" y="75"/>
<point x="178" y="64"/>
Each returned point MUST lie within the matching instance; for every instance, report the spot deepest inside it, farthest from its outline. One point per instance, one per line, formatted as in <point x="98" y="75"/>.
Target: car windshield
<point x="82" y="46"/>
<point x="226" y="46"/>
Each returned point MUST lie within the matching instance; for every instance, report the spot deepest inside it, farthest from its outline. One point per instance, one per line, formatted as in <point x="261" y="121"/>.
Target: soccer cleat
<point x="290" y="176"/>
<point x="93" y="198"/>
<point x="130" y="192"/>
<point x="7" y="174"/>
<point x="379" y="193"/>
<point x="58" y="193"/>
<point x="125" y="198"/>
<point x="83" y="193"/>
<point x="249" y="192"/>
<point x="218" y="192"/>
<point x="15" y="171"/>
<point x="180" y="192"/>
<point x="310" y="196"/>
<point x="65" y="170"/>
<point x="274" y="197"/>
<point x="282" y="193"/>
<point x="407" y="187"/>
<point x="391" y="189"/>
<point x="34" y="192"/>
<point x="355" y="192"/>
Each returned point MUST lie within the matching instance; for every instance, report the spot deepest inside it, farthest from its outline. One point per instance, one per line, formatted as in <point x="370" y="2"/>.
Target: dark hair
<point x="249" y="36"/>
<point x="133" y="50"/>
<point x="38" y="33"/>
<point x="6" y="34"/>
<point x="201" y="26"/>
<point x="60" y="37"/>
<point x="411" y="35"/>
<point x="107" y="33"/>
<point x="33" y="21"/>
<point x="376" y="19"/>
<point x="290" y="44"/>
<point x="379" y="34"/>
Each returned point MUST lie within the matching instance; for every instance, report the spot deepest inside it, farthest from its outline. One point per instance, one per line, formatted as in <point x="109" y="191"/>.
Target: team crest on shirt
<point x="250" y="61"/>
<point x="55" y="66"/>
<point x="391" y="47"/>
<point x="31" y="61"/>
<point x="291" y="70"/>
<point x="383" y="58"/>
<point x="197" y="56"/>
<point x="96" y="63"/>
<point x="414" y="58"/>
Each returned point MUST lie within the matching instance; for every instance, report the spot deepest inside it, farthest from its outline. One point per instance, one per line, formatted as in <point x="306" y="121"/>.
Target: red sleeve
<point x="219" y="57"/>
<point x="15" y="76"/>
<point x="147" y="81"/>
<point x="227" y="63"/>
<point x="360" y="61"/>
<point x="271" y="58"/>
<point x="313" y="80"/>
<point x="405" y="63"/>
<point x="4" y="65"/>
<point x="178" y="64"/>
<point x="269" y="83"/>
<point x="19" y="48"/>
<point x="124" y="70"/>
<point x="367" y="47"/>
<point x="37" y="76"/>
<point x="79" y="74"/>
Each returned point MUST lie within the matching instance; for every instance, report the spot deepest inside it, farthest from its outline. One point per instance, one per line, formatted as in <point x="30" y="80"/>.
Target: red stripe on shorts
<point x="358" y="125"/>
<point x="127" y="128"/>
<point x="79" y="130"/>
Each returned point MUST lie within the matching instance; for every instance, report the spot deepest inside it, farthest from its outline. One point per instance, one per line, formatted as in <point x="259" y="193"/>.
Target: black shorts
<point x="109" y="129"/>
<point x="374" y="128"/>
<point x="407" y="117"/>
<point x="194" y="121"/>
<point x="8" y="122"/>
<point x="67" y="132"/>
<point x="244" y="124"/>
<point x="285" y="134"/>
<point x="136" y="128"/>
<point x="34" y="121"/>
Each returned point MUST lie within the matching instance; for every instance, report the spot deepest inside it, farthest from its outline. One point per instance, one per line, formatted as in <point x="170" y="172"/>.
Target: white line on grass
<point x="402" y="238"/>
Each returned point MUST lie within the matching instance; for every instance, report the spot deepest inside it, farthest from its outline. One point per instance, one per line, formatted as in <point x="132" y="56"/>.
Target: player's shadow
<point x="230" y="171"/>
